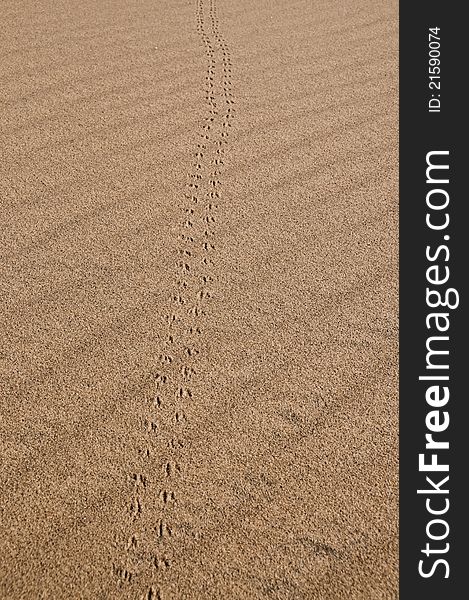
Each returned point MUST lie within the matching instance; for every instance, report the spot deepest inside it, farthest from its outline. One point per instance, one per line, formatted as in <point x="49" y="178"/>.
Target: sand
<point x="198" y="300"/>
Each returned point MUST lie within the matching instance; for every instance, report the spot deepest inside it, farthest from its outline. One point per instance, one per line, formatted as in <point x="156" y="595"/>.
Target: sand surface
<point x="198" y="299"/>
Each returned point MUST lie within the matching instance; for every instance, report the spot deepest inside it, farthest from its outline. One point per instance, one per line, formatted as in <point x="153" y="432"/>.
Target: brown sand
<point x="198" y="358"/>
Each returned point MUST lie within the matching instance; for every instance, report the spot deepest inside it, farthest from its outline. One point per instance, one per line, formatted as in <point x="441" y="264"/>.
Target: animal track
<point x="123" y="575"/>
<point x="187" y="372"/>
<point x="167" y="497"/>
<point x="163" y="530"/>
<point x="165" y="415"/>
<point x="139" y="480"/>
<point x="150" y="426"/>
<point x="136" y="508"/>
<point x="161" y="563"/>
<point x="183" y="393"/>
<point x="152" y="594"/>
<point x="176" y="444"/>
<point x="180" y="417"/>
<point x="132" y="543"/>
<point x="166" y="359"/>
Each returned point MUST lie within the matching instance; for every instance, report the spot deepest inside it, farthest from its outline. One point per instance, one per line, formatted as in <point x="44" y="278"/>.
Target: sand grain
<point x="198" y="300"/>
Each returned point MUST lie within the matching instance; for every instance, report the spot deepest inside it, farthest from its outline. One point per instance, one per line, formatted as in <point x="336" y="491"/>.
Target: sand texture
<point x="198" y="300"/>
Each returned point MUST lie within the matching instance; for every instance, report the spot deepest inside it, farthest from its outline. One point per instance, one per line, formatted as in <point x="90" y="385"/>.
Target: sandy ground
<point x="198" y="299"/>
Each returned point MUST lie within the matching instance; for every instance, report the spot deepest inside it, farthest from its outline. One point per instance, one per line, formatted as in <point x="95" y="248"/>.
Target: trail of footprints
<point x="160" y="460"/>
